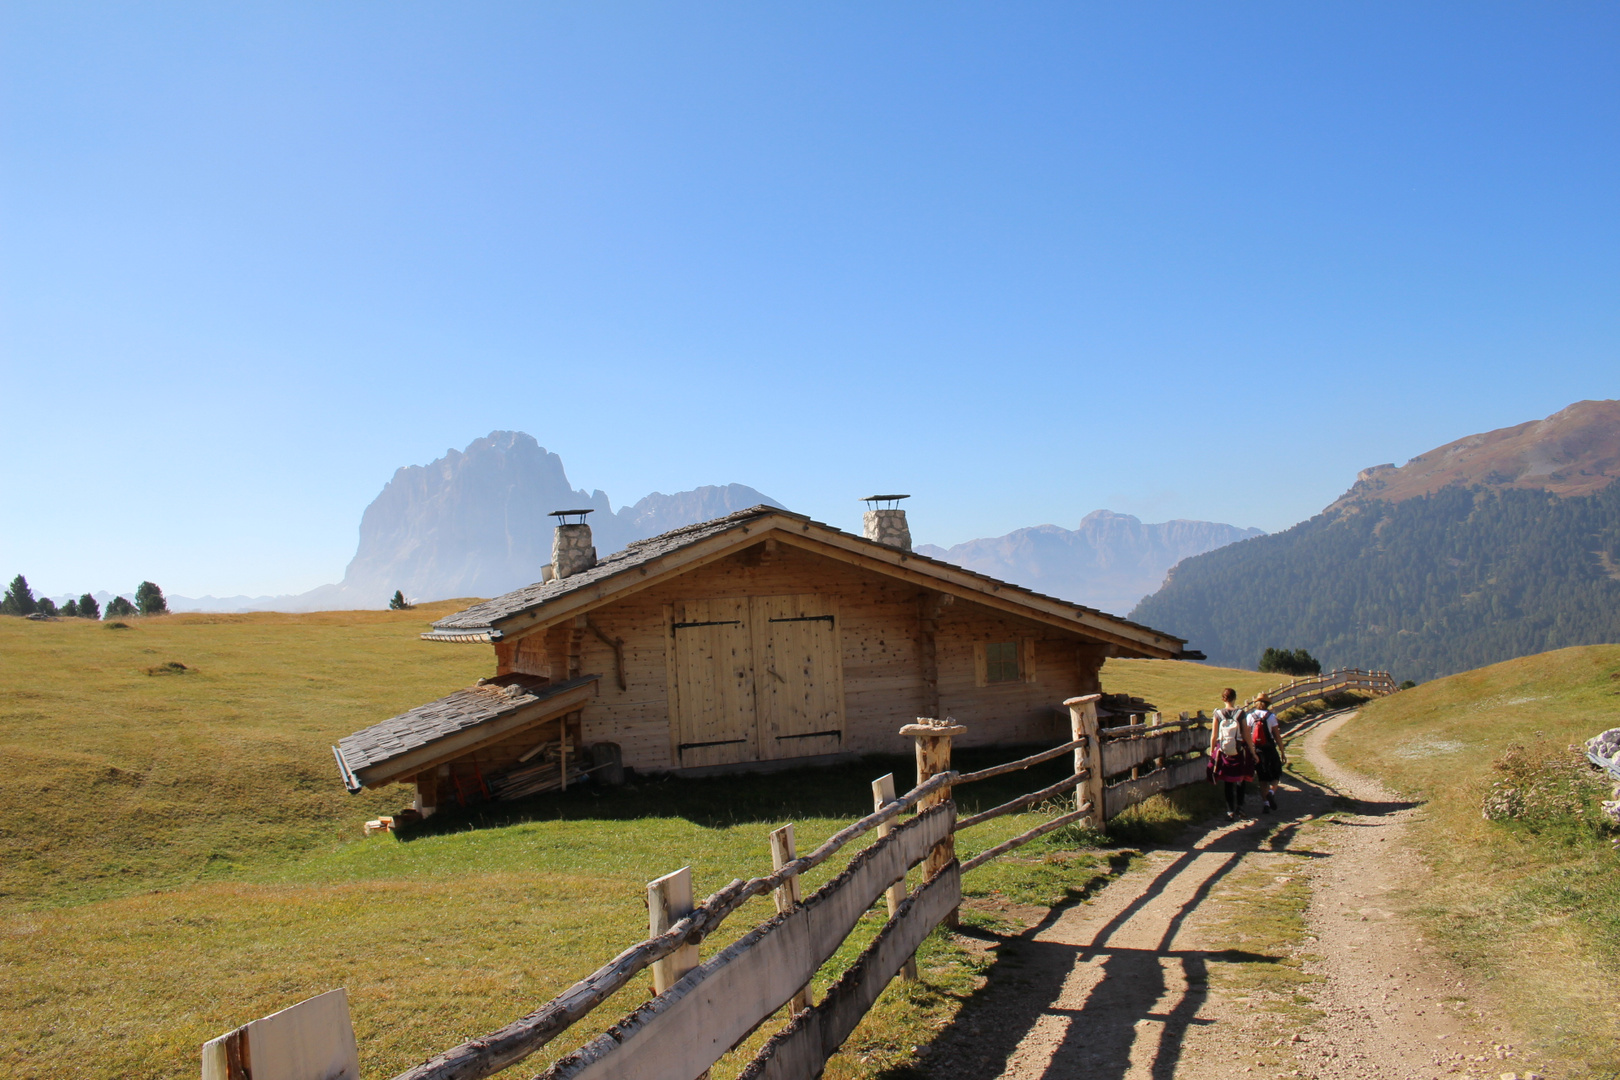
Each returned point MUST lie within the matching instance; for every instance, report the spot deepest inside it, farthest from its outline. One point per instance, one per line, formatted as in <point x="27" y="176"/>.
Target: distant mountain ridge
<point x="1110" y="562"/>
<point x="476" y="522"/>
<point x="1575" y="451"/>
<point x="1490" y="548"/>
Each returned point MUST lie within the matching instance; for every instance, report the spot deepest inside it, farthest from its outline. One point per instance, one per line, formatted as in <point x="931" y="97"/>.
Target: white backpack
<point x="1229" y="731"/>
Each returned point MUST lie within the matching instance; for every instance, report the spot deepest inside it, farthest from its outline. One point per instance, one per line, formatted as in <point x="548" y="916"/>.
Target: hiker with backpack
<point x="1231" y="751"/>
<point x="1265" y="732"/>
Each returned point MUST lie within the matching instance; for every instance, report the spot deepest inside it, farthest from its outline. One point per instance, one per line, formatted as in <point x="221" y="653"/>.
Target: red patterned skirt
<point x="1232" y="769"/>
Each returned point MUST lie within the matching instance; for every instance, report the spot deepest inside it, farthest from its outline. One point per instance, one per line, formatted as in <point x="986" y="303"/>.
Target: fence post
<point x="669" y="900"/>
<point x="882" y="795"/>
<point x="933" y="739"/>
<point x="784" y="850"/>
<point x="1083" y="725"/>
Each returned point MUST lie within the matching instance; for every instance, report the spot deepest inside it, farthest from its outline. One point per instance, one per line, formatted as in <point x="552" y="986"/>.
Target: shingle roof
<point x="478" y="622"/>
<point x="490" y="700"/>
<point x="482" y="617"/>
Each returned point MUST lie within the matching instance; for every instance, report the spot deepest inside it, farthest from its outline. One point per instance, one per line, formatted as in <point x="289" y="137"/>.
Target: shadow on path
<point x="1054" y="1008"/>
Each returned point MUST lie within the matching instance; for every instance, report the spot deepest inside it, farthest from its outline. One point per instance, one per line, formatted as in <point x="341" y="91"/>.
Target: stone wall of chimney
<point x="888" y="527"/>
<point x="571" y="550"/>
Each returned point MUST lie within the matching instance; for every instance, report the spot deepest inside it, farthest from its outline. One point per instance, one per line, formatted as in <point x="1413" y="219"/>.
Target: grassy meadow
<point x="1533" y="905"/>
<point x="1176" y="687"/>
<point x="180" y="857"/>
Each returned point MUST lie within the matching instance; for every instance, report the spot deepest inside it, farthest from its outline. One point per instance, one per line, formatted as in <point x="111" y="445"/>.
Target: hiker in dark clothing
<point x="1265" y="732"/>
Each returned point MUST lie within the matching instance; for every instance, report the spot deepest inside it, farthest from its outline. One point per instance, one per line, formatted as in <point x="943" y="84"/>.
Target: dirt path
<point x="1119" y="987"/>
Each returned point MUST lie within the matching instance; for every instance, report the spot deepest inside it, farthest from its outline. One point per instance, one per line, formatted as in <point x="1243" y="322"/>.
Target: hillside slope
<point x="1531" y="906"/>
<point x="1424" y="583"/>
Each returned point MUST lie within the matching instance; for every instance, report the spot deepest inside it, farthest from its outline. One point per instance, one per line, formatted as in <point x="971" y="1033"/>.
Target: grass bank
<point x="1531" y="906"/>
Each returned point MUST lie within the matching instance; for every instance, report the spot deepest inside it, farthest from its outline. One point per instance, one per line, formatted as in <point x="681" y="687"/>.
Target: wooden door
<point x="799" y="676"/>
<point x="712" y="677"/>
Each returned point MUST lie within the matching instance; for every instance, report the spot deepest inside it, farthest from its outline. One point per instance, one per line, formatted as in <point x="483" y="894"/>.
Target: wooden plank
<point x="1084" y="810"/>
<point x="1119" y="755"/>
<point x="1021" y="763"/>
<point x="682" y="1032"/>
<point x="669" y="900"/>
<point x="800" y="1050"/>
<point x="784" y="849"/>
<point x="1022" y="801"/>
<point x="883" y="795"/>
<point x="715" y="717"/>
<point x="1027" y="660"/>
<point x="799" y="680"/>
<point x="312" y="1040"/>
<point x="497" y="1050"/>
<point x="1122" y="796"/>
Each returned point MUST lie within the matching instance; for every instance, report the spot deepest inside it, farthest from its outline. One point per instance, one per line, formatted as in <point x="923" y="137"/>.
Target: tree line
<point x="20" y="600"/>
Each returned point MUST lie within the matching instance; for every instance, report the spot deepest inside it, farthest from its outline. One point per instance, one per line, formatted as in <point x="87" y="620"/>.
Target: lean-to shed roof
<point x="505" y="696"/>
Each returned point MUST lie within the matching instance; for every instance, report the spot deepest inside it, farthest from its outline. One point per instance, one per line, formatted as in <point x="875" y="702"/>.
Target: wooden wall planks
<point x="887" y="677"/>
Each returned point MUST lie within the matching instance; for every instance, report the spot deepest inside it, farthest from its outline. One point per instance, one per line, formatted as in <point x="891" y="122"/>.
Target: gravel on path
<point x="1119" y="987"/>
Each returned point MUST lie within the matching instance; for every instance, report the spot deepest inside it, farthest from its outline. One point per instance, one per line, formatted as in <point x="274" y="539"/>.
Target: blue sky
<point x="1022" y="261"/>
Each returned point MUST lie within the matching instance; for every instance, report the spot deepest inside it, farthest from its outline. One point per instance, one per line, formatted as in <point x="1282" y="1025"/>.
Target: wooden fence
<point x="701" y="1010"/>
<point x="1299" y="691"/>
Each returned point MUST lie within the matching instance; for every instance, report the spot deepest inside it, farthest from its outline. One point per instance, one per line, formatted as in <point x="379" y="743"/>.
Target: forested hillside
<point x="1439" y="583"/>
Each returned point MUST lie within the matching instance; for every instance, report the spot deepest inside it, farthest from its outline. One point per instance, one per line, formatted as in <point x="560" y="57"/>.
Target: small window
<point x="1001" y="662"/>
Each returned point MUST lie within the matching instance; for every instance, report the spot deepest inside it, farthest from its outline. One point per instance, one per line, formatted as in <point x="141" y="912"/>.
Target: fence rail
<point x="703" y="1010"/>
<point x="1298" y="691"/>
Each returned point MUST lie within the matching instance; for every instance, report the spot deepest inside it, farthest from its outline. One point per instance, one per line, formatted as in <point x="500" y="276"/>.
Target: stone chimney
<point x="886" y="524"/>
<point x="571" y="549"/>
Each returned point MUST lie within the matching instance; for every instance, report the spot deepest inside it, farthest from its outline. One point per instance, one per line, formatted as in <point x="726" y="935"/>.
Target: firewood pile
<point x="1117" y="709"/>
<point x="541" y="773"/>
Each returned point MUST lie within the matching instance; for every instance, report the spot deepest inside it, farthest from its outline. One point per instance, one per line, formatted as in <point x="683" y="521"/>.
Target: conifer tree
<point x="45" y="606"/>
<point x="149" y="599"/>
<point x="118" y="607"/>
<point x="70" y="610"/>
<point x="398" y="603"/>
<point x="19" y="599"/>
<point x="88" y="608"/>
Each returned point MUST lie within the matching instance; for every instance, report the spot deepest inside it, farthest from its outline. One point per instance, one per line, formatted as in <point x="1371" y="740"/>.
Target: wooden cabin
<point x="751" y="641"/>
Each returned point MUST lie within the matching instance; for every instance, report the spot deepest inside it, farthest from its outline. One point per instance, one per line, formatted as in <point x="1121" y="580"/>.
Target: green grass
<point x="181" y="857"/>
<point x="1534" y="908"/>
<point x="1177" y="686"/>
<point x="178" y="855"/>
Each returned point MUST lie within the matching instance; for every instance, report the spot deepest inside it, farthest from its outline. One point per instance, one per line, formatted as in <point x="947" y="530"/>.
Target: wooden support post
<point x="1083" y="725"/>
<point x="934" y="757"/>
<point x="576" y="646"/>
<point x="783" y="851"/>
<point x="427" y="793"/>
<point x="882" y="795"/>
<point x="928" y="609"/>
<point x="1155" y="719"/>
<point x="669" y="900"/>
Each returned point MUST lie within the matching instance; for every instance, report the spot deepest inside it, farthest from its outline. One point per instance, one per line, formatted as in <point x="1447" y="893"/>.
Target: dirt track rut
<point x="1118" y="986"/>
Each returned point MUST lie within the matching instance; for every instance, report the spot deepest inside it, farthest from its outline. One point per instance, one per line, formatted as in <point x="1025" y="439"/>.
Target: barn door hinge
<point x="813" y="735"/>
<point x="805" y="618"/>
<point x="685" y="746"/>
<point x="718" y="622"/>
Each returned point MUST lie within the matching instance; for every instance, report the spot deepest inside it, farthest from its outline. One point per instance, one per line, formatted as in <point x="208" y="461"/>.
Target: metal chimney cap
<point x="884" y="498"/>
<point x="562" y="516"/>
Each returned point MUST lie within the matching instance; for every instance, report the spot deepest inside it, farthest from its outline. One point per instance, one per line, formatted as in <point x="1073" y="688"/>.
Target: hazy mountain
<point x="476" y="523"/>
<point x="1489" y="548"/>
<point x="1110" y="562"/>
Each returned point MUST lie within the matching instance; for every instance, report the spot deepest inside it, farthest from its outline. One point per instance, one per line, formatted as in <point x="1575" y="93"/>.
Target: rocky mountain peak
<point x="1575" y="451"/>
